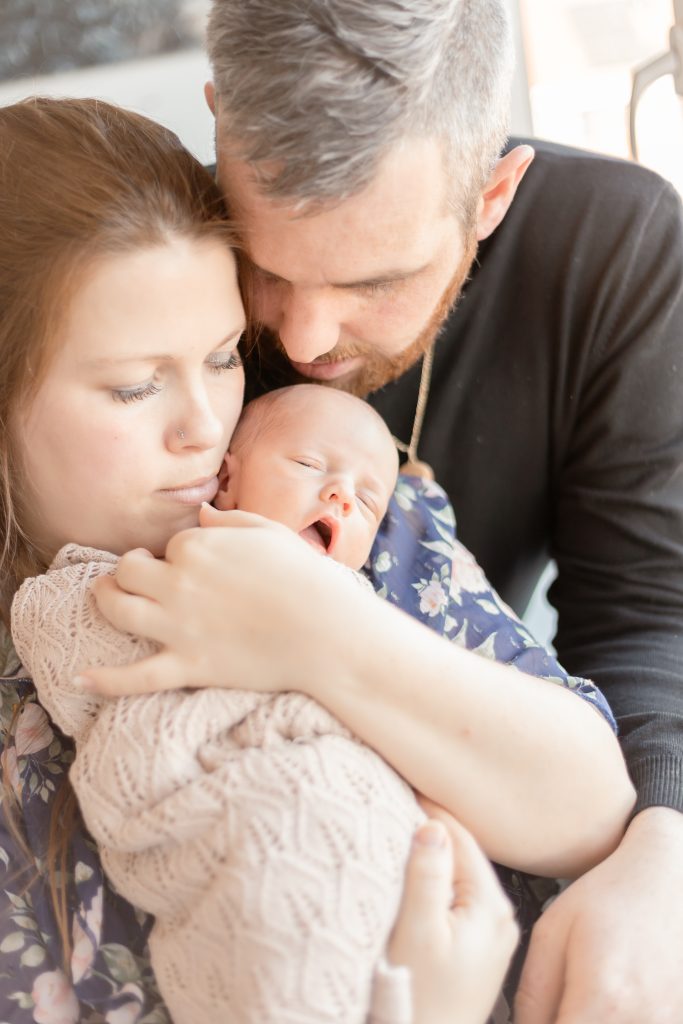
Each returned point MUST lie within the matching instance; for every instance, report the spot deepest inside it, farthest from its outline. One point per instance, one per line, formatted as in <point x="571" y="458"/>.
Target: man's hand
<point x="610" y="949"/>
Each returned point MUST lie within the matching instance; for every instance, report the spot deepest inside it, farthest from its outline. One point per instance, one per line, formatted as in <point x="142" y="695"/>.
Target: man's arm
<point x="618" y="540"/>
<point x="617" y="533"/>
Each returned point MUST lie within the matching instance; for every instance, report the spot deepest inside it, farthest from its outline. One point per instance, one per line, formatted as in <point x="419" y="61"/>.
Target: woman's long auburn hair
<point x="80" y="180"/>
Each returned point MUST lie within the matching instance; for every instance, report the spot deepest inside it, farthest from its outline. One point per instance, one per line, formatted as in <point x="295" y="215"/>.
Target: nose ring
<point x="181" y="434"/>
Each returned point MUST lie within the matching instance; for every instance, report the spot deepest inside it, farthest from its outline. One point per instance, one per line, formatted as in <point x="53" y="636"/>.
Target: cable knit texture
<point x="268" y="842"/>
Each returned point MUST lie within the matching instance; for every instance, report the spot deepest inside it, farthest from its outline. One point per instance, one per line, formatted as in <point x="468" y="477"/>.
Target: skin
<point x="323" y="457"/>
<point x="114" y="474"/>
<point x="316" y="293"/>
<point x="455" y="928"/>
<point x="355" y="292"/>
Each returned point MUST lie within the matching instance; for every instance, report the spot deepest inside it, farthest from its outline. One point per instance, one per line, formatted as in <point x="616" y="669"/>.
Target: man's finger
<point x="128" y="613"/>
<point x="151" y="675"/>
<point x="542" y="983"/>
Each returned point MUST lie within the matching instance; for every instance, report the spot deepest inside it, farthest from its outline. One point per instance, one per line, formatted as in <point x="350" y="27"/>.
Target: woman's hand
<point x="252" y="607"/>
<point x="455" y="928"/>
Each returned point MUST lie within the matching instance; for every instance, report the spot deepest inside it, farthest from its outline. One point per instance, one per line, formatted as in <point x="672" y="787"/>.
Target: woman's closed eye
<point x="136" y="394"/>
<point x="220" y="361"/>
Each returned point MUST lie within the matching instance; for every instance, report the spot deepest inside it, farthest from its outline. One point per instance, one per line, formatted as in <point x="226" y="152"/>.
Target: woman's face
<point x="125" y="437"/>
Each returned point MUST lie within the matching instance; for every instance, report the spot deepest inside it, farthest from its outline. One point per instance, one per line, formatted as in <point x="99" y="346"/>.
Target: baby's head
<point x="317" y="460"/>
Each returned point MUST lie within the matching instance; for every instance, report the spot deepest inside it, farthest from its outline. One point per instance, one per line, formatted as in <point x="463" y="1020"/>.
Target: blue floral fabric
<point x="417" y="564"/>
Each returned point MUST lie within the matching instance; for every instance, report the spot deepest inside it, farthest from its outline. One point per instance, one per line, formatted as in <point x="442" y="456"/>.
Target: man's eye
<point x="376" y="288"/>
<point x="135" y="394"/>
<point x="266" y="276"/>
<point x="220" y="361"/>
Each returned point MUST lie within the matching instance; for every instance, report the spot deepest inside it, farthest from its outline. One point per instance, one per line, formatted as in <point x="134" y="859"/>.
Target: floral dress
<point x="417" y="564"/>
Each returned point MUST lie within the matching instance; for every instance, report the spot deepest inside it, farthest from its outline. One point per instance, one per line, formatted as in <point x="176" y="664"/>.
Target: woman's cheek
<point x="230" y="401"/>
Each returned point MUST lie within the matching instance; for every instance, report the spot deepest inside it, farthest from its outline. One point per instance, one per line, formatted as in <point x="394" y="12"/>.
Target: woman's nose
<point x="196" y="426"/>
<point x="338" y="493"/>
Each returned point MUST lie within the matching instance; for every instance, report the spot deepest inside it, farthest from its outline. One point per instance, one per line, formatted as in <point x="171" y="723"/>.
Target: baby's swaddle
<point x="269" y="843"/>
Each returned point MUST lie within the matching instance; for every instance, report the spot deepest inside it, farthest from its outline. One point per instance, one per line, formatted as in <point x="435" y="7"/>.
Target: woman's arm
<point x="532" y="771"/>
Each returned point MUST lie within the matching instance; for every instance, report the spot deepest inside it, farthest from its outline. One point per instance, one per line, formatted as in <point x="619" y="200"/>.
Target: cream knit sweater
<point x="266" y="840"/>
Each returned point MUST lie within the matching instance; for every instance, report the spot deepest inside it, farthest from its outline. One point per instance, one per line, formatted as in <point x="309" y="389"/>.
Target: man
<point x="358" y="145"/>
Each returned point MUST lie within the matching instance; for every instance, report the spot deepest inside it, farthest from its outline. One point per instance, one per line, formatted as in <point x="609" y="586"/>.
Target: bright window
<point x="579" y="59"/>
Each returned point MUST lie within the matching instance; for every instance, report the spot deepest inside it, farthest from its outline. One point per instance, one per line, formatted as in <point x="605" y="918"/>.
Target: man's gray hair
<point x="313" y="93"/>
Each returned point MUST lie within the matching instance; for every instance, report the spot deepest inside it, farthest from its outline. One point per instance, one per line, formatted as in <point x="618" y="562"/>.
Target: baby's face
<point x="326" y="468"/>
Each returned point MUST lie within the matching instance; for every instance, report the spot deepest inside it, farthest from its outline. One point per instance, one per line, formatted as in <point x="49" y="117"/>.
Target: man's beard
<point x="377" y="369"/>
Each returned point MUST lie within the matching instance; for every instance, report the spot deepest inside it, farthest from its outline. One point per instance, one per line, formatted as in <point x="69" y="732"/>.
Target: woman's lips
<point x="194" y="493"/>
<point x="327" y="371"/>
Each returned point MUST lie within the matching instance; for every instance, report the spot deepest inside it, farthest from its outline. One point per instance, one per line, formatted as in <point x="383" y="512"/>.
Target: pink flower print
<point x="54" y="999"/>
<point x="433" y="598"/>
<point x="33" y="731"/>
<point x="466" y="574"/>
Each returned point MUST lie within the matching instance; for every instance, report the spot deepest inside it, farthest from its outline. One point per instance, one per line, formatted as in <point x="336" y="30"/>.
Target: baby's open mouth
<point x="319" y="535"/>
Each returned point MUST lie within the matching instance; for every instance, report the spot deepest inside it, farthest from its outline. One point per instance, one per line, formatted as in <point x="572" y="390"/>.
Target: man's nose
<point x="309" y="325"/>
<point x="338" y="493"/>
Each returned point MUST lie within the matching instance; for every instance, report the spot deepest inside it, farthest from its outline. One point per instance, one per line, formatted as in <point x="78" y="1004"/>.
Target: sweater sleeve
<point x="617" y="534"/>
<point x="58" y="631"/>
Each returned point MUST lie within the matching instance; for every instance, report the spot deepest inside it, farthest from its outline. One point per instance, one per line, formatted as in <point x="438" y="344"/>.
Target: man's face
<point x="355" y="293"/>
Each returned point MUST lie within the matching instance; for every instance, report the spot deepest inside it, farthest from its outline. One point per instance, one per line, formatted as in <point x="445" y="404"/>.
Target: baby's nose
<point x="340" y="494"/>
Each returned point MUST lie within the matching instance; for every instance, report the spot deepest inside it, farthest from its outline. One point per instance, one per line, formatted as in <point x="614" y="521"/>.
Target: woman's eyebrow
<point x="158" y="357"/>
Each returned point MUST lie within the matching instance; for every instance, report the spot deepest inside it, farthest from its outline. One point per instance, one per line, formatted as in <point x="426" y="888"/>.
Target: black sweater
<point x="555" y="424"/>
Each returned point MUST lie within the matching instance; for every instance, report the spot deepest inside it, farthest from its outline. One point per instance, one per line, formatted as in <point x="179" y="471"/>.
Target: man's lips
<point x="193" y="493"/>
<point x="328" y="371"/>
<point x="322" y="534"/>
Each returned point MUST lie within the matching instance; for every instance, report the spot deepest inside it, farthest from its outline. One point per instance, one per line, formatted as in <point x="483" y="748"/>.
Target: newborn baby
<point x="266" y="840"/>
<point x="319" y="461"/>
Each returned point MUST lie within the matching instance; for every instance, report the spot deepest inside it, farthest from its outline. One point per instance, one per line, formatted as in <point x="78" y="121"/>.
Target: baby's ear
<point x="226" y="499"/>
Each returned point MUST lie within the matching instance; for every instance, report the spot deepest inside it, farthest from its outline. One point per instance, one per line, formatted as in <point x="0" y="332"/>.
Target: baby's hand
<point x="455" y="928"/>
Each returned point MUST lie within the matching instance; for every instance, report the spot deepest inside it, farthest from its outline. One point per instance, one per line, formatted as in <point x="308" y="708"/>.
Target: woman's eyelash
<point x="135" y="394"/>
<point x="225" y="361"/>
<point x="217" y="364"/>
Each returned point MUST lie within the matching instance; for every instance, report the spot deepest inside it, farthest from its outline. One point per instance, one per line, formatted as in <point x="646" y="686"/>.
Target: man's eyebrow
<point x="158" y="357"/>
<point x="390" y="277"/>
<point x="387" y="277"/>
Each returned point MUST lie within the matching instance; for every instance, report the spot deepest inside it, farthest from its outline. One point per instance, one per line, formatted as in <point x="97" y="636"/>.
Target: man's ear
<point x="210" y="97"/>
<point x="499" y="190"/>
<point x="228" y="474"/>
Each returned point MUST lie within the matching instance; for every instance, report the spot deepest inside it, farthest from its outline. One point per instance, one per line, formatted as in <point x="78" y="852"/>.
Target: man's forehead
<point x="390" y="226"/>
